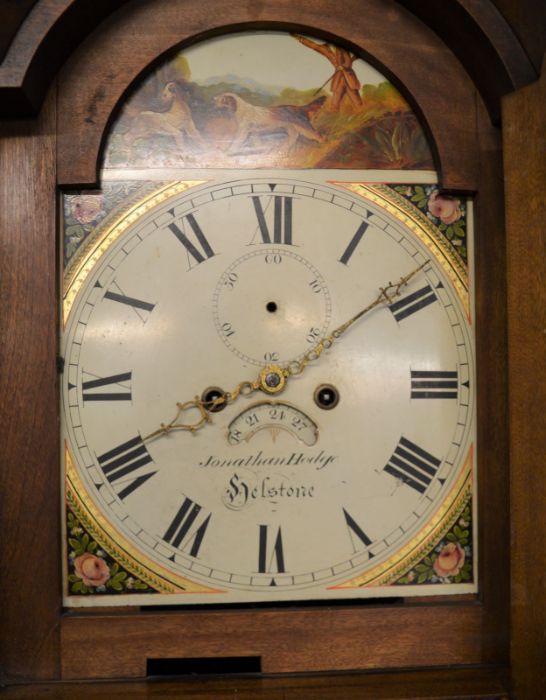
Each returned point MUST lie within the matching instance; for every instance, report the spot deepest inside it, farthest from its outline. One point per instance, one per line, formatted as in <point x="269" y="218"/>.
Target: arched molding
<point x="49" y="31"/>
<point x="94" y="81"/>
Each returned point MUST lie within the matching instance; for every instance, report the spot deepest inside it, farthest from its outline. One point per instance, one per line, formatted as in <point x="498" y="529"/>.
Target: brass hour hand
<point x="272" y="379"/>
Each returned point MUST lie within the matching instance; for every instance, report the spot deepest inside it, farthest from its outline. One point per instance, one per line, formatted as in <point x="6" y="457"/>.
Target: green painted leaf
<point x="92" y="547"/>
<point x="121" y="576"/>
<point x="422" y="568"/>
<point x="422" y="577"/>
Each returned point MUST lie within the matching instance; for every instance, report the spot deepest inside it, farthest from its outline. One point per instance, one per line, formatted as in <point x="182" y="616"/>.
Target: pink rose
<point x="450" y="560"/>
<point x="92" y="570"/>
<point x="86" y="207"/>
<point x="444" y="208"/>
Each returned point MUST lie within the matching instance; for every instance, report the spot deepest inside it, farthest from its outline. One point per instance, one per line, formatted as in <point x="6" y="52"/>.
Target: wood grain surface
<point x="29" y="448"/>
<point x="448" y="684"/>
<point x="525" y="173"/>
<point x="286" y="641"/>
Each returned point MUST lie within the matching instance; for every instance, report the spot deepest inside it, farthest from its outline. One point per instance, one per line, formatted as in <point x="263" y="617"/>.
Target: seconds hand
<point x="272" y="379"/>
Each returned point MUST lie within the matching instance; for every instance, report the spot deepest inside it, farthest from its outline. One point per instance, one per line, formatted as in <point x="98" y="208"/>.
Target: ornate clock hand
<point x="272" y="378"/>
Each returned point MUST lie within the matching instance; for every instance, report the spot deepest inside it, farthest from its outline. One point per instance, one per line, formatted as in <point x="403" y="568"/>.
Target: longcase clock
<point x="280" y="349"/>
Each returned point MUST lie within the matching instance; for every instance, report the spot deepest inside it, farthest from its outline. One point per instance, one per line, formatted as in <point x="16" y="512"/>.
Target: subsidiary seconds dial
<point x="271" y="305"/>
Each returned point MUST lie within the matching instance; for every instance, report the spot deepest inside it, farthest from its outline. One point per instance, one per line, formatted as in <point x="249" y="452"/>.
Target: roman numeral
<point x="200" y="250"/>
<point x="276" y="557"/>
<point x="355" y="528"/>
<point x="355" y="240"/>
<point x="413" y="302"/>
<point x="140" y="307"/>
<point x="413" y="465"/>
<point x="123" y="461"/>
<point x="433" y="384"/>
<point x="180" y="533"/>
<point x="130" y="301"/>
<point x="122" y="393"/>
<point x="282" y="219"/>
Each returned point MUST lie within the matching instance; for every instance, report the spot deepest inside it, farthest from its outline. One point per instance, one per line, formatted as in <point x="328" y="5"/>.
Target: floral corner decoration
<point x="447" y="213"/>
<point x="450" y="561"/>
<point x="91" y="570"/>
<point x="84" y="210"/>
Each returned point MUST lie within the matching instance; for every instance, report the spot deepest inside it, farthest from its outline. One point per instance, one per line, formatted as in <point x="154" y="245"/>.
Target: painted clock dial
<point x="311" y="492"/>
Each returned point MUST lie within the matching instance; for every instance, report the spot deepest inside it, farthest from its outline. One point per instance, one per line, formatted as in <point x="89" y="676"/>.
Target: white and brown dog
<point x="174" y="119"/>
<point x="252" y="120"/>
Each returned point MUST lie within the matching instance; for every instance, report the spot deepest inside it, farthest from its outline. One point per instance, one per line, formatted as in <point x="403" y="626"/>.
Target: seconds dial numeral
<point x="413" y="465"/>
<point x="123" y="461"/>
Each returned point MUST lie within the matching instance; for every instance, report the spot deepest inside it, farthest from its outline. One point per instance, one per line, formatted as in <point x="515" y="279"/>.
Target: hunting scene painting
<point x="267" y="100"/>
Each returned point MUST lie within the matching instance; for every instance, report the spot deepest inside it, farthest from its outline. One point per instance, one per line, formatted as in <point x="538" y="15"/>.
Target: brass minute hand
<point x="272" y="378"/>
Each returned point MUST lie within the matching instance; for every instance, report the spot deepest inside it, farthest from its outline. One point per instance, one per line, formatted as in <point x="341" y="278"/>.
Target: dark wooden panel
<point x="93" y="81"/>
<point x="13" y="15"/>
<point x="527" y="19"/>
<point x="470" y="684"/>
<point x="492" y="378"/>
<point x="492" y="54"/>
<point x="525" y="173"/>
<point x="29" y="480"/>
<point x="477" y="33"/>
<point x="287" y="640"/>
<point x="47" y="36"/>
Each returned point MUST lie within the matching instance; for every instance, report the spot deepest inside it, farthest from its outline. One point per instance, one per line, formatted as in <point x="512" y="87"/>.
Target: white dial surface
<point x="279" y="496"/>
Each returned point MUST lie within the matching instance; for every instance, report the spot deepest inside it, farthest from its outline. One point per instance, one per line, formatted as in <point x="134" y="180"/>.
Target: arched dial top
<point x="236" y="281"/>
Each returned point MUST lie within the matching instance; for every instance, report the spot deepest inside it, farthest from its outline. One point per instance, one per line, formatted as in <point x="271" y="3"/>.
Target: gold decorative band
<point x="117" y="545"/>
<point x="405" y="558"/>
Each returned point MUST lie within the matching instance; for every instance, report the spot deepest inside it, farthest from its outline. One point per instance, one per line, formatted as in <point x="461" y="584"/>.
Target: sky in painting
<point x="273" y="59"/>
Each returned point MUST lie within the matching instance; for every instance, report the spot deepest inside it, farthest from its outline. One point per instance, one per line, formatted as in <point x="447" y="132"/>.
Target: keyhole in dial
<point x="271" y="306"/>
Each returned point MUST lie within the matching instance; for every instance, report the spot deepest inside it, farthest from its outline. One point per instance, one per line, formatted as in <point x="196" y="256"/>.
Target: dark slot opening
<point x="326" y="605"/>
<point x="204" y="666"/>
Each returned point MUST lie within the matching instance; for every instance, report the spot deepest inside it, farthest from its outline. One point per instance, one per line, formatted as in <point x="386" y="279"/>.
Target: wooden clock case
<point x="453" y="69"/>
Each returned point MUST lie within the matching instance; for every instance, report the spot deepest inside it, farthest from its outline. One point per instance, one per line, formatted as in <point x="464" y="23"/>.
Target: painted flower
<point x="92" y="570"/>
<point x="447" y="209"/>
<point x="86" y="207"/>
<point x="450" y="560"/>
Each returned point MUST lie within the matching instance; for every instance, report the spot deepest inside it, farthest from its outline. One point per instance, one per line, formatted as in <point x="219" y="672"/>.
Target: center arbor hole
<point x="271" y="306"/>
